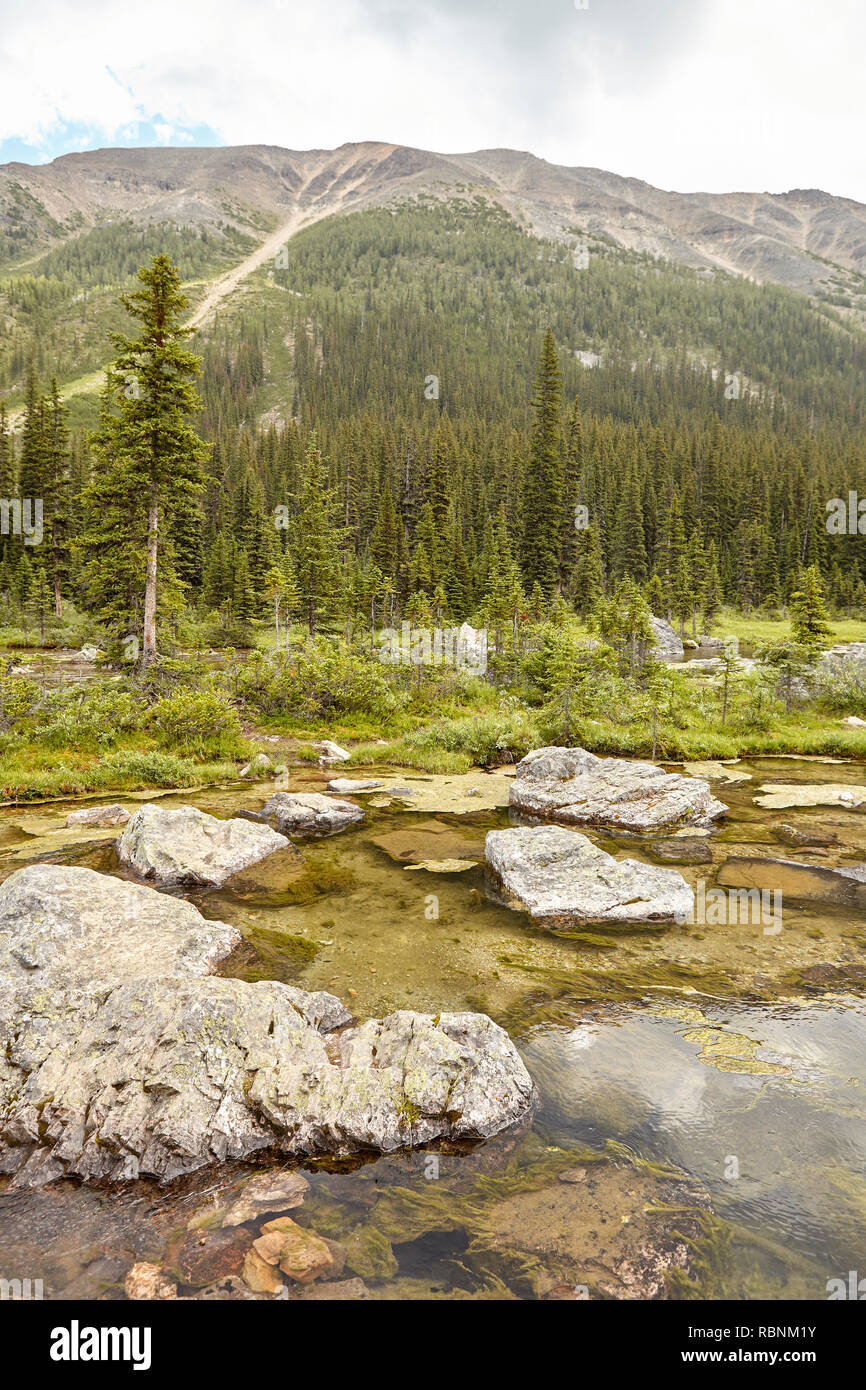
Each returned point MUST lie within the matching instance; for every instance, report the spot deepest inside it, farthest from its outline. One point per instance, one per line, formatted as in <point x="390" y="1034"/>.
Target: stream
<point x="723" y="1062"/>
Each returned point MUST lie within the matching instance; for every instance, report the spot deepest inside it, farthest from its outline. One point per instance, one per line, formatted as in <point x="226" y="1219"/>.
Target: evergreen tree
<point x="543" y="485"/>
<point x="318" y="544"/>
<point x="149" y="449"/>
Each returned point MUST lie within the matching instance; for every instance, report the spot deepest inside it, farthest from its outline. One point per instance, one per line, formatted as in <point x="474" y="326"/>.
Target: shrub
<point x="200" y="722"/>
<point x="320" y="680"/>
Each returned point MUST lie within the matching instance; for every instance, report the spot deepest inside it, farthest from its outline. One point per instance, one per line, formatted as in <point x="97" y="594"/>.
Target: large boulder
<point x="187" y="846"/>
<point x="121" y="1057"/>
<point x="667" y="642"/>
<point x="311" y="813"/>
<point x="559" y="876"/>
<point x="577" y="788"/>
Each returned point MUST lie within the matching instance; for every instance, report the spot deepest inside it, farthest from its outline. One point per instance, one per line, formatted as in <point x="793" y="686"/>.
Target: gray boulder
<point x="187" y="846"/>
<point x="668" y="643"/>
<point x="311" y="813"/>
<point x="559" y="876"/>
<point x="120" y="1056"/>
<point x="575" y="787"/>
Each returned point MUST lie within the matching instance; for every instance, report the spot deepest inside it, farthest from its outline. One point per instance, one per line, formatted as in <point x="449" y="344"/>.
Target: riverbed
<point x="701" y="1125"/>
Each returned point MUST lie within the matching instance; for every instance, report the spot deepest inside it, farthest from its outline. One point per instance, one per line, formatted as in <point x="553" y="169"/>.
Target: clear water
<point x="716" y="1052"/>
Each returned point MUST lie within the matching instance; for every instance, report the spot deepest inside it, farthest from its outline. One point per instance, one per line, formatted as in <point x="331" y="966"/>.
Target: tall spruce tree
<point x="541" y="540"/>
<point x="149" y="448"/>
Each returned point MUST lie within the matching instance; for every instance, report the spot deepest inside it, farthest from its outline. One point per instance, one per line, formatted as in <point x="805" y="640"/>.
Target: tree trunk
<point x="148" y="655"/>
<point x="277" y="625"/>
<point x="58" y="601"/>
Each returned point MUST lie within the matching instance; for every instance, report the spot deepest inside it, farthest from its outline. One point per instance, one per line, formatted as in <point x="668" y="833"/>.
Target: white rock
<point x="560" y="876"/>
<point x="575" y="787"/>
<point x="120" y="1057"/>
<point x="188" y="846"/>
<point x="311" y="813"/>
<point x="332" y="752"/>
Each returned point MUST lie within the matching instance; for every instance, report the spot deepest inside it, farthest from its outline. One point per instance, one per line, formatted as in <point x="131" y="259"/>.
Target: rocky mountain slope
<point x="806" y="240"/>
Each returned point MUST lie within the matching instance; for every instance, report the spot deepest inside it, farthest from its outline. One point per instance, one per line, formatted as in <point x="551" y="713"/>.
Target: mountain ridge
<point x="807" y="240"/>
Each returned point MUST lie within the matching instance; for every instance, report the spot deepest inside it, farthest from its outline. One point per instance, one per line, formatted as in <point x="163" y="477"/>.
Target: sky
<point x="686" y="94"/>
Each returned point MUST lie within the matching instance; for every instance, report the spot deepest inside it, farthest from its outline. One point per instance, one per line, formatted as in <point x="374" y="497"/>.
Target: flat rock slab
<point x="560" y="876"/>
<point x="782" y="796"/>
<point x="682" y="849"/>
<point x="459" y="793"/>
<point x="575" y="787"/>
<point x="121" y="1057"/>
<point x="714" y="771"/>
<point x="429" y="840"/>
<point x="346" y="785"/>
<point x="311" y="813"/>
<point x="187" y="846"/>
<point x="98" y="815"/>
<point x="808" y="882"/>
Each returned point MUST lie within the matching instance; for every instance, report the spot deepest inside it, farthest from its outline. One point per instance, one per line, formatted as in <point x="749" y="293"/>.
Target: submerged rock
<point x="560" y="875"/>
<point x="349" y="784"/>
<point x="98" y="815"/>
<point x="682" y="849"/>
<point x="577" y="788"/>
<point x="805" y="836"/>
<point x="783" y="796"/>
<point x="120" y="1057"/>
<point x="311" y="813"/>
<point x="186" y="845"/>
<point x="809" y="882"/>
<point x="277" y="1191"/>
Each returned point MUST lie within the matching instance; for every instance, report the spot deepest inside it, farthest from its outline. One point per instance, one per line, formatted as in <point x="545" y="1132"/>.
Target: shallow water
<point x="714" y="1051"/>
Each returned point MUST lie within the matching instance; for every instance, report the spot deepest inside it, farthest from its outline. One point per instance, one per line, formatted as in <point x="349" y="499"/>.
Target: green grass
<point x="34" y="774"/>
<point x="754" y="630"/>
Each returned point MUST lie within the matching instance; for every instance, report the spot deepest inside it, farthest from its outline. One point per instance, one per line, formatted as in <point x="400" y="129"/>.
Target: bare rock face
<point x="311" y="813"/>
<point x="187" y="846"/>
<point x="575" y="787"/>
<point x="560" y="876"/>
<point x="98" y="815"/>
<point x="121" y="1057"/>
<point x="668" y="642"/>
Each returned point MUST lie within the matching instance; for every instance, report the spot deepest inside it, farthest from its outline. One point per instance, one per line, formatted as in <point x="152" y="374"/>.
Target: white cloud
<point x="683" y="93"/>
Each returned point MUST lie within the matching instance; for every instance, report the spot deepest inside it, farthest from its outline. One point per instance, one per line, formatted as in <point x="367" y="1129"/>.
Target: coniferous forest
<point x="432" y="718"/>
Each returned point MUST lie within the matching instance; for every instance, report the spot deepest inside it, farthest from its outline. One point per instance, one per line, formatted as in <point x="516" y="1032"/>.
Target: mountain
<point x="805" y="240"/>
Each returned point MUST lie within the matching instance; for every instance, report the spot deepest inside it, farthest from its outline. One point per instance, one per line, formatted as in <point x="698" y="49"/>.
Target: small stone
<point x="571" y="1175"/>
<point x="149" y="1281"/>
<point x="261" y="1276"/>
<point x="300" y="1253"/>
<point x="209" y="1255"/>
